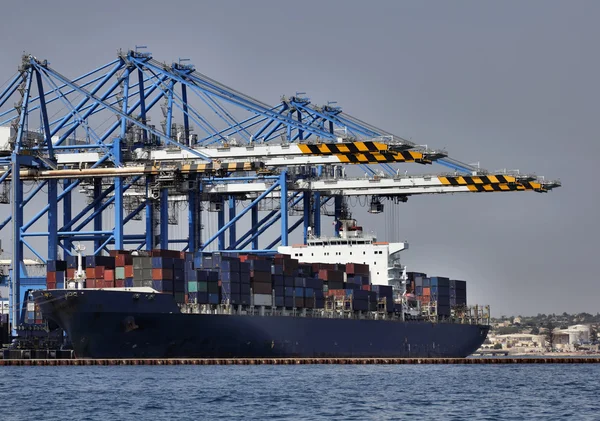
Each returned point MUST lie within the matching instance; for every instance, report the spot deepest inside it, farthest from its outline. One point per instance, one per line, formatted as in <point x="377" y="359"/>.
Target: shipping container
<point x="261" y="287"/>
<point x="263" y="300"/>
<point x="439" y="281"/>
<point x="230" y="276"/>
<point x="229" y="288"/>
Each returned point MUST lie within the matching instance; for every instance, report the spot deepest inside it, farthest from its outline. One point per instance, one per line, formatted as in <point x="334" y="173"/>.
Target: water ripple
<point x="528" y="392"/>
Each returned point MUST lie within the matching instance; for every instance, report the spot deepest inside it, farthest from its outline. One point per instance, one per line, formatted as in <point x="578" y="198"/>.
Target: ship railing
<point x="479" y="315"/>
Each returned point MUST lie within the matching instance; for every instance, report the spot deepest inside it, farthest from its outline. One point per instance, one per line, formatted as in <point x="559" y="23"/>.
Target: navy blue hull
<point x="112" y="324"/>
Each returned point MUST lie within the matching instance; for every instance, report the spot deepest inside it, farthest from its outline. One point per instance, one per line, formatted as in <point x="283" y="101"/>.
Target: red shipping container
<point x="90" y="273"/>
<point x="51" y="277"/>
<point x="357" y="269"/>
<point x="162" y="274"/>
<point x="99" y="272"/>
<point x="129" y="271"/>
<point x="108" y="284"/>
<point x="120" y="260"/>
<point x="366" y="287"/>
<point x="109" y="275"/>
<point x="71" y="273"/>
<point x="426" y="291"/>
<point x="90" y="283"/>
<point x="50" y="285"/>
<point x="120" y="283"/>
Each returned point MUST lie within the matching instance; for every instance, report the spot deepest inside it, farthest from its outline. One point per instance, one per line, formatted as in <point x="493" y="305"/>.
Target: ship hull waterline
<point x="115" y="324"/>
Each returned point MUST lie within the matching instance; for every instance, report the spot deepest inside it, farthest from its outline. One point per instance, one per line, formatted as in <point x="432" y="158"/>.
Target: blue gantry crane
<point x="212" y="148"/>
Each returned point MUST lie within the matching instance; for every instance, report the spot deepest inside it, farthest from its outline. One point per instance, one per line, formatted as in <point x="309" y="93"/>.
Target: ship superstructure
<point x="353" y="246"/>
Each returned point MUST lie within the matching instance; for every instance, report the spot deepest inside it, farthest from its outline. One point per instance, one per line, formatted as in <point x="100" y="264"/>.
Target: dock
<point x="296" y="361"/>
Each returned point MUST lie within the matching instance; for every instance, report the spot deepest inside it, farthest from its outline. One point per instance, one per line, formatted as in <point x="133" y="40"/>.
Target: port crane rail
<point x="213" y="148"/>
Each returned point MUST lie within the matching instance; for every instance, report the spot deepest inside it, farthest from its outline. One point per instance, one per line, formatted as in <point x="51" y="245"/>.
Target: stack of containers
<point x="229" y="275"/>
<point x="72" y="266"/>
<point x="261" y="280"/>
<point x="179" y="279"/>
<point x="440" y="294"/>
<point x="358" y="274"/>
<point x="245" y="279"/>
<point x="332" y="278"/>
<point x="123" y="268"/>
<point x="415" y="282"/>
<point x="100" y="271"/>
<point x="458" y="294"/>
<point x="283" y="295"/>
<point x="228" y="268"/>
<point x="359" y="299"/>
<point x="205" y="282"/>
<point x="142" y="271"/>
<point x="189" y="273"/>
<point x="425" y="296"/>
<point x="55" y="274"/>
<point x="385" y="292"/>
<point x="313" y="293"/>
<point x="162" y="273"/>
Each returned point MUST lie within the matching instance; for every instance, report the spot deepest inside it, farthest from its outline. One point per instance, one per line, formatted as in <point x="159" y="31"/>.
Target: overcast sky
<point x="509" y="84"/>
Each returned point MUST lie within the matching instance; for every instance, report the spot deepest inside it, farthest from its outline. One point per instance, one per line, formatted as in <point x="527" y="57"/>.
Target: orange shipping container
<point x="51" y="277"/>
<point x="50" y="285"/>
<point x="426" y="291"/>
<point x="71" y="273"/>
<point x="90" y="273"/>
<point x="109" y="275"/>
<point x="129" y="271"/>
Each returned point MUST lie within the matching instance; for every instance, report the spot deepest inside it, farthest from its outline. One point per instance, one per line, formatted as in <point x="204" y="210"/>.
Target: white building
<point x="567" y="339"/>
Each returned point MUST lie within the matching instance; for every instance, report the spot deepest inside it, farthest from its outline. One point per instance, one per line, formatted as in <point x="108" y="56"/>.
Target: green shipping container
<point x="119" y="273"/>
<point x="192" y="286"/>
<point x="202" y="286"/>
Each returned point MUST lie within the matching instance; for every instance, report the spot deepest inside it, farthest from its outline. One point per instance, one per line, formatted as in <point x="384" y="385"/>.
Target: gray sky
<point x="508" y="84"/>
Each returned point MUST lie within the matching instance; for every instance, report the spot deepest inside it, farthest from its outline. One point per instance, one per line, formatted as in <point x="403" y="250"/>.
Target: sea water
<point x="345" y="392"/>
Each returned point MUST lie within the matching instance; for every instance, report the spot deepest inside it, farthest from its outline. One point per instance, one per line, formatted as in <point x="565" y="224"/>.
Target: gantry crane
<point x="212" y="148"/>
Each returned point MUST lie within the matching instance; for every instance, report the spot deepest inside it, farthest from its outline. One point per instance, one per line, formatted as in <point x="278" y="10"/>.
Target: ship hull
<point x="115" y="324"/>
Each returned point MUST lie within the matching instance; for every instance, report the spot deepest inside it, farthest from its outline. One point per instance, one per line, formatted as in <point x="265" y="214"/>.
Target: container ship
<point x="347" y="296"/>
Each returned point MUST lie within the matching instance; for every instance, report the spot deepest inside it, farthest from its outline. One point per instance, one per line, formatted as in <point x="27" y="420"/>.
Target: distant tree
<point x="498" y="346"/>
<point x="535" y="330"/>
<point x="549" y="335"/>
<point x="509" y="330"/>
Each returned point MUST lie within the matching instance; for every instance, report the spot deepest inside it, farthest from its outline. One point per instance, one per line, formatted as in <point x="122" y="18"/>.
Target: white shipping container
<point x="263" y="300"/>
<point x="30" y="306"/>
